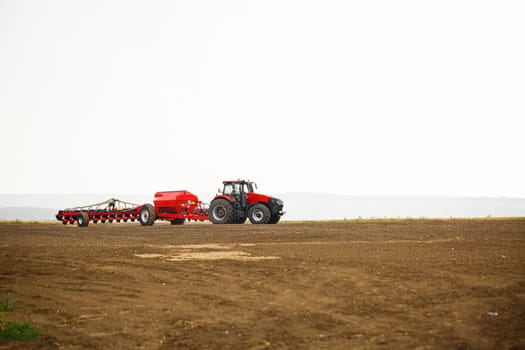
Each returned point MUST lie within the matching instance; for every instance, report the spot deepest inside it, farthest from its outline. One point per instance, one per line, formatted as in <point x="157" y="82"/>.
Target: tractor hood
<point x="257" y="197"/>
<point x="275" y="204"/>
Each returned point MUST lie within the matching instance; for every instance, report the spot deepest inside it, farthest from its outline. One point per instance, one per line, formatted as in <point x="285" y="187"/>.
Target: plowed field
<point x="404" y="284"/>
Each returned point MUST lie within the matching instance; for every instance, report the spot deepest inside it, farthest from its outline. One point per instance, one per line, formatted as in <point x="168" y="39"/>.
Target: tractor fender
<point x="263" y="203"/>
<point x="224" y="196"/>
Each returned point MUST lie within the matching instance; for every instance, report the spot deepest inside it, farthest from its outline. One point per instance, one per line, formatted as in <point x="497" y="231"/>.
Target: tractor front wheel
<point x="259" y="214"/>
<point x="147" y="215"/>
<point x="221" y="211"/>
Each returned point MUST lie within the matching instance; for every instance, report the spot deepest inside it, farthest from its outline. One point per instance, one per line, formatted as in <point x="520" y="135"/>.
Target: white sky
<point x="350" y="97"/>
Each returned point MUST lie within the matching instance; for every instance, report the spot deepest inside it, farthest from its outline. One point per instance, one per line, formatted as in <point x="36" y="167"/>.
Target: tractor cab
<point x="239" y="193"/>
<point x="238" y="189"/>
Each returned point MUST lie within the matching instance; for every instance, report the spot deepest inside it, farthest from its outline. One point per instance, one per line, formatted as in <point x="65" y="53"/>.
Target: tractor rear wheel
<point x="221" y="211"/>
<point x="82" y="219"/>
<point x="147" y="215"/>
<point x="259" y="214"/>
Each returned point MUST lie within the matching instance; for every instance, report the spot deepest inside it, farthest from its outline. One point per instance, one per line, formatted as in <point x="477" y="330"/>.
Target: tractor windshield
<point x="234" y="188"/>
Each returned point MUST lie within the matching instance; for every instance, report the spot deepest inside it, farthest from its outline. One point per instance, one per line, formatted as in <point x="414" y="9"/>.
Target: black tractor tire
<point x="275" y="219"/>
<point x="259" y="214"/>
<point x="147" y="215"/>
<point x="82" y="219"/>
<point x="177" y="221"/>
<point x="221" y="211"/>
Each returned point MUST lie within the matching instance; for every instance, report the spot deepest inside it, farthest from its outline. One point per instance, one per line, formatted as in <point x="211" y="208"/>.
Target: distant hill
<point x="299" y="206"/>
<point x="302" y="206"/>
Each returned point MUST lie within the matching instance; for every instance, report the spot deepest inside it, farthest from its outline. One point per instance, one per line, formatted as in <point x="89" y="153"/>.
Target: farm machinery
<point x="234" y="204"/>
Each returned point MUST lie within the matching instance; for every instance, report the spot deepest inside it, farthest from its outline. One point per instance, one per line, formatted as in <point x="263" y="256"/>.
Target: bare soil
<point x="418" y="284"/>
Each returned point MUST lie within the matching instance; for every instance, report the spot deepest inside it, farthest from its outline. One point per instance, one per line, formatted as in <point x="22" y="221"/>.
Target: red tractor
<point x="233" y="205"/>
<point x="238" y="201"/>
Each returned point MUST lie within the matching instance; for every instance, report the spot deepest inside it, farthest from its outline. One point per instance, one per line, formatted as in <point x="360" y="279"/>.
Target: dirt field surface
<point x="404" y="284"/>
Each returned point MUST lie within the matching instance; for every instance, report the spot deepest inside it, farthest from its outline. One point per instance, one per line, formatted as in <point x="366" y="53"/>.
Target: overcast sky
<point x="350" y="97"/>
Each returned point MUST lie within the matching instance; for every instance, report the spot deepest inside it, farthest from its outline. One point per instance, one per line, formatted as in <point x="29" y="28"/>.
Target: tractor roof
<point x="236" y="181"/>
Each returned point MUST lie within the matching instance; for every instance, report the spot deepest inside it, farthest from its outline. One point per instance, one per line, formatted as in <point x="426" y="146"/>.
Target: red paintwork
<point x="225" y="196"/>
<point x="252" y="198"/>
<point x="257" y="198"/>
<point x="172" y="205"/>
<point x="71" y="216"/>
